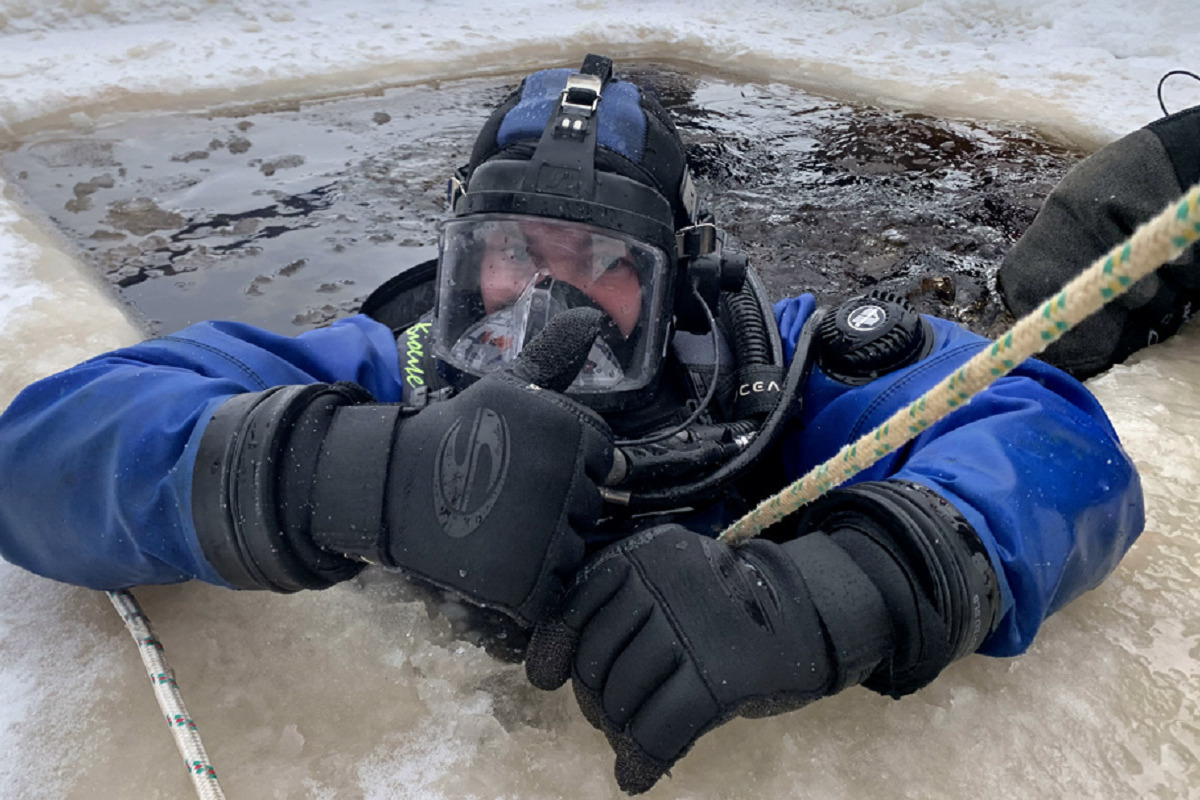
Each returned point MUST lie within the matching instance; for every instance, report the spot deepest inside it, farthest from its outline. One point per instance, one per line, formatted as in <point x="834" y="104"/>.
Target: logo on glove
<point x="469" y="471"/>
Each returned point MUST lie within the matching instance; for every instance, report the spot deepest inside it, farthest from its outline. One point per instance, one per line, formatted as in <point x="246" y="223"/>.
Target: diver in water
<point x="554" y="419"/>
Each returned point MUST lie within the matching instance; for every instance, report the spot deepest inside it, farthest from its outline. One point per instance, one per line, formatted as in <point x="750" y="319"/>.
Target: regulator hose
<point x="786" y="405"/>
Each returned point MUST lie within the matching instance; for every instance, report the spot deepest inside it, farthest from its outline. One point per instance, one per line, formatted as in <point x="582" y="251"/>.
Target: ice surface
<point x="360" y="691"/>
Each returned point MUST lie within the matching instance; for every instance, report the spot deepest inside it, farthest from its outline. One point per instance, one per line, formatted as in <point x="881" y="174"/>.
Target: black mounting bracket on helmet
<point x="564" y="161"/>
<point x="709" y="267"/>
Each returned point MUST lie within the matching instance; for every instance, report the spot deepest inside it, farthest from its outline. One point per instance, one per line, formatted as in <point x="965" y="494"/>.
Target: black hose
<point x="703" y="492"/>
<point x="747" y="326"/>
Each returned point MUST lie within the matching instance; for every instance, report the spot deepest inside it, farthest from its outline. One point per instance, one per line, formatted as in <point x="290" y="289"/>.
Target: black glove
<point x="483" y="494"/>
<point x="669" y="634"/>
<point x="1099" y="203"/>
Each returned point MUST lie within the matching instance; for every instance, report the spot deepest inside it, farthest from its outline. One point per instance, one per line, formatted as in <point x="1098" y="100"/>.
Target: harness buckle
<point x="582" y="94"/>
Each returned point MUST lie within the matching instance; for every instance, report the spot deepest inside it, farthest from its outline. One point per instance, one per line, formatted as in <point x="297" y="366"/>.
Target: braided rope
<point x="187" y="738"/>
<point x="1156" y="242"/>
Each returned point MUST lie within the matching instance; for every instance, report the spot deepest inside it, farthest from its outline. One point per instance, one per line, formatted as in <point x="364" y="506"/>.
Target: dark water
<point x="288" y="217"/>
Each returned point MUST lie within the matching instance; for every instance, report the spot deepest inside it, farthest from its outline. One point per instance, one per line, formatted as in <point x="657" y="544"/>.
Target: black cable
<point x="771" y="429"/>
<point x="708" y="395"/>
<point x="1163" y="80"/>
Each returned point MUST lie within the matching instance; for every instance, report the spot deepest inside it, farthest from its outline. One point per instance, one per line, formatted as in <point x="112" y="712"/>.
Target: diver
<point x="554" y="419"/>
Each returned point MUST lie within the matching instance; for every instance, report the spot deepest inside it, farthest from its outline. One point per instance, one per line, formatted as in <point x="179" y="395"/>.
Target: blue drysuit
<point x="96" y="462"/>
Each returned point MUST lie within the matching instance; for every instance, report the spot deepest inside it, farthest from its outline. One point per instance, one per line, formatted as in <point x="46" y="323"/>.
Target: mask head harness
<point x="579" y="161"/>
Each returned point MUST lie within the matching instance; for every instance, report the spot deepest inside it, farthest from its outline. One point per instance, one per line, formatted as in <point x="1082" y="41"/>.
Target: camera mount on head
<point x="711" y="268"/>
<point x="564" y="162"/>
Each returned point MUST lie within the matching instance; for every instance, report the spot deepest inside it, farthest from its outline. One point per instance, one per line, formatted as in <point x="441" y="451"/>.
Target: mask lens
<point x="503" y="277"/>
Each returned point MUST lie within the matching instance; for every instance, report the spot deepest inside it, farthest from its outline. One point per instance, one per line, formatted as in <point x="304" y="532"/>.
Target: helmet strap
<point x="564" y="162"/>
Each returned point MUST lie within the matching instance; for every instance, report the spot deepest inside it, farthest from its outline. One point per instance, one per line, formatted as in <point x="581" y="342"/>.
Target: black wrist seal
<point x="928" y="563"/>
<point x="252" y="487"/>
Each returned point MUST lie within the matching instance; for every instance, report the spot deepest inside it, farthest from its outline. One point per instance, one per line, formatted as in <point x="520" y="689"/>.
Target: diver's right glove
<point x="484" y="494"/>
<point x="1099" y="203"/>
<point x="669" y="634"/>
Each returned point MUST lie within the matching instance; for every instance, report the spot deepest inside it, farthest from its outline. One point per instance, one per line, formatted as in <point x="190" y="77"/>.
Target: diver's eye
<point x="519" y="255"/>
<point x="618" y="266"/>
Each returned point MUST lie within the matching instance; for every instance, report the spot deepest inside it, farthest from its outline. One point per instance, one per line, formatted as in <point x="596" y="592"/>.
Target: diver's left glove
<point x="669" y="634"/>
<point x="485" y="494"/>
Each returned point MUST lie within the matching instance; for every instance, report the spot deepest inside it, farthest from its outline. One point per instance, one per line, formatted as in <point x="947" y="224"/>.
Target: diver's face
<point x="600" y="268"/>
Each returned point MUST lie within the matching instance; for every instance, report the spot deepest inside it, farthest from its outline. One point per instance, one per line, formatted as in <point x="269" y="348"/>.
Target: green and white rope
<point x="183" y="728"/>
<point x="1158" y="241"/>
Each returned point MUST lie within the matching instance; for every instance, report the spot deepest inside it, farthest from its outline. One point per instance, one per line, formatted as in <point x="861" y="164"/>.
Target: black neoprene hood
<point x="582" y="146"/>
<point x="577" y="147"/>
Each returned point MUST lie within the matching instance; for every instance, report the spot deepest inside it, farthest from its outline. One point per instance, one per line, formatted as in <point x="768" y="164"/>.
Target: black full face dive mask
<point x="577" y="194"/>
<point x="504" y="276"/>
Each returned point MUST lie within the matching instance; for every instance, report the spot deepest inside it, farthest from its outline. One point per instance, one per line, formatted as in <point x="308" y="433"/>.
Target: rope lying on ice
<point x="1156" y="242"/>
<point x="187" y="738"/>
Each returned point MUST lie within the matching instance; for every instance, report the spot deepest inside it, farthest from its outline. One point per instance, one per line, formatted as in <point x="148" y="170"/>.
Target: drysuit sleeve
<point x="1032" y="462"/>
<point x="96" y="462"/>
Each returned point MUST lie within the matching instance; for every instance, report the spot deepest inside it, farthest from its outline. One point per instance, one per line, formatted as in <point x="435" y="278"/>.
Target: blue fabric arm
<point x="1032" y="462"/>
<point x="96" y="462"/>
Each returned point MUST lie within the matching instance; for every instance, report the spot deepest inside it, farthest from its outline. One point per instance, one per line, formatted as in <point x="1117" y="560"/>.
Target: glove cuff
<point x="929" y="564"/>
<point x="251" y="483"/>
<point x="854" y="613"/>
<point x="1178" y="136"/>
<point x="350" y="488"/>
